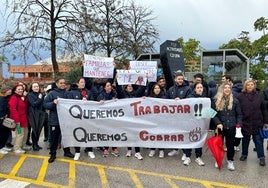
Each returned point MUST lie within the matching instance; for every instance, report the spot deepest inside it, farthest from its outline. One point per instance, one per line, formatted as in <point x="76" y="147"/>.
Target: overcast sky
<point x="212" y="22"/>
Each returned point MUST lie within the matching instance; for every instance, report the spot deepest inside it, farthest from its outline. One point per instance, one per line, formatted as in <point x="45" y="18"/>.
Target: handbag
<point x="263" y="132"/>
<point x="9" y="123"/>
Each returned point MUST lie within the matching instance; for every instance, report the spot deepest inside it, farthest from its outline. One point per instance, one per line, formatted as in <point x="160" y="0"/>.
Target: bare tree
<point x="141" y="33"/>
<point x="108" y="30"/>
<point x="109" y="27"/>
<point x="118" y="29"/>
<point x="39" y="26"/>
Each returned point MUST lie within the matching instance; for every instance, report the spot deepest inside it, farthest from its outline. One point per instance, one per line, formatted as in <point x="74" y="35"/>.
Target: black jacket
<point x="3" y="109"/>
<point x="77" y="93"/>
<point x="265" y="96"/>
<point x="107" y="96"/>
<point x="212" y="89"/>
<point x="179" y="91"/>
<point x="51" y="106"/>
<point x="228" y="118"/>
<point x="254" y="112"/>
<point x="236" y="89"/>
<point x="137" y="92"/>
<point x="35" y="103"/>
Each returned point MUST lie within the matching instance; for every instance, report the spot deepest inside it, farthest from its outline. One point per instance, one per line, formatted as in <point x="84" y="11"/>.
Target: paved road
<point x="32" y="170"/>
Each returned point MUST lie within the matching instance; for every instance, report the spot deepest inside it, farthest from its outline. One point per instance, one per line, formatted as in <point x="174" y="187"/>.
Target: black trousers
<point x="4" y="134"/>
<point x="45" y="125"/>
<point x="137" y="149"/>
<point x="35" y="139"/>
<point x="229" y="135"/>
<point x="55" y="135"/>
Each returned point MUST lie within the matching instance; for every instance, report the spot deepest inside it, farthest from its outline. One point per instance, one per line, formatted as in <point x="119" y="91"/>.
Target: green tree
<point x="256" y="51"/>
<point x="191" y="50"/>
<point x="261" y="24"/>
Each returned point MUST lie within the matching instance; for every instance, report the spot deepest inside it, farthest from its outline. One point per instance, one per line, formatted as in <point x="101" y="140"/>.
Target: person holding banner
<point x="180" y="90"/>
<point x="50" y="103"/>
<point x="81" y="93"/>
<point x="198" y="92"/>
<point x="162" y="83"/>
<point x="156" y="93"/>
<point x="228" y="116"/>
<point x="129" y="92"/>
<point x="108" y="93"/>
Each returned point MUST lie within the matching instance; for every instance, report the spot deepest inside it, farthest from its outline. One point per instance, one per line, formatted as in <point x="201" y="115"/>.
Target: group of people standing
<point x="22" y="106"/>
<point x="247" y="109"/>
<point x="236" y="104"/>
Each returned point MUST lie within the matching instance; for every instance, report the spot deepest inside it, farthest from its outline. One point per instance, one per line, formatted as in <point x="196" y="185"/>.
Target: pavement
<point x="33" y="170"/>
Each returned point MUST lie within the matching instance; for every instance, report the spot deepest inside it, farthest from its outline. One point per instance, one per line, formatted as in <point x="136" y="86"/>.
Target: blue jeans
<point x="258" y="141"/>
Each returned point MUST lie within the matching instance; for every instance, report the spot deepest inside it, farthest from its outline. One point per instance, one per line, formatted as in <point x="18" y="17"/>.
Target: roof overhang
<point x="226" y="53"/>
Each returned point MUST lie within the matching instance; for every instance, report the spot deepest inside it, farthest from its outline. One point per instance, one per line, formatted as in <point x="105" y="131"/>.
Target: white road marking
<point x="8" y="183"/>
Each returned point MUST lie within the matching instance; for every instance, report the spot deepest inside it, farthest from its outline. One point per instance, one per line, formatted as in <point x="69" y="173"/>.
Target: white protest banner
<point x="125" y="77"/>
<point x="98" y="67"/>
<point x="149" y="66"/>
<point x="141" y="122"/>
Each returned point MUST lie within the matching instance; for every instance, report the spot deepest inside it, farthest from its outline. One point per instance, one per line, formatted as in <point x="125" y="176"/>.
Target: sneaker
<point x="152" y="153"/>
<point x="216" y="165"/>
<point x="161" y="154"/>
<point x="3" y="151"/>
<point x="129" y="153"/>
<point x="9" y="145"/>
<point x="7" y="149"/>
<point x="105" y="153"/>
<point x="173" y="152"/>
<point x="100" y="148"/>
<point x="230" y="165"/>
<point x="19" y="151"/>
<point x="91" y="154"/>
<point x="76" y="156"/>
<point x="199" y="161"/>
<point x="236" y="148"/>
<point x="187" y="161"/>
<point x="262" y="162"/>
<point x="28" y="143"/>
<point x="138" y="156"/>
<point x="183" y="157"/>
<point x="243" y="158"/>
<point x="27" y="148"/>
<point x="115" y="153"/>
<point x="68" y="154"/>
